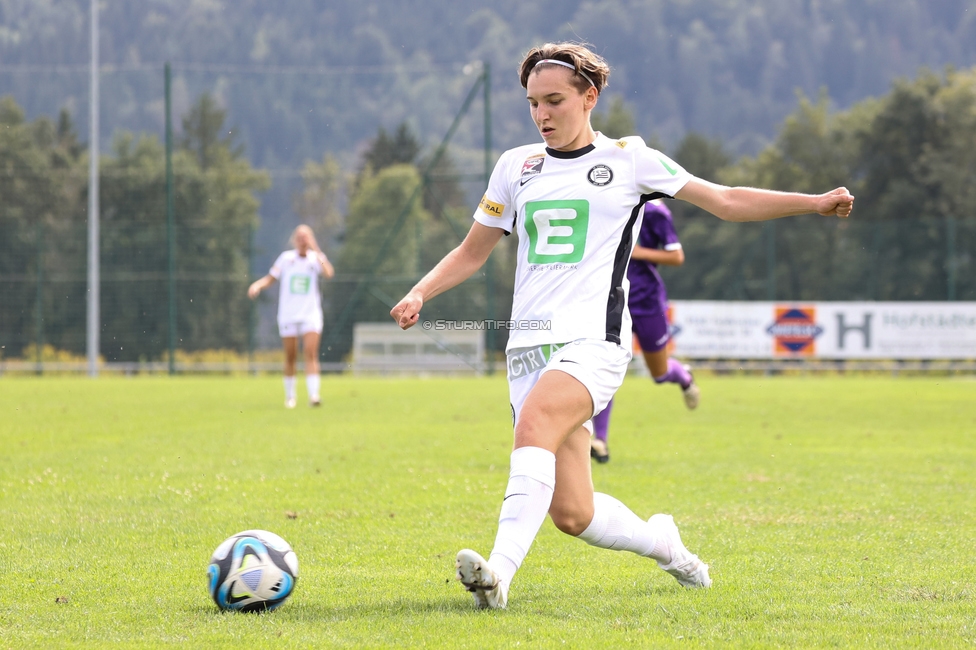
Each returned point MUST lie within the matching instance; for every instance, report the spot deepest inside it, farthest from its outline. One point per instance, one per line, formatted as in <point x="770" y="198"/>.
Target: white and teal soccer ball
<point x="252" y="571"/>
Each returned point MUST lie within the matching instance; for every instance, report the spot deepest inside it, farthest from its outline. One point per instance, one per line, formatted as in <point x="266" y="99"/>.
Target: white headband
<point x="565" y="65"/>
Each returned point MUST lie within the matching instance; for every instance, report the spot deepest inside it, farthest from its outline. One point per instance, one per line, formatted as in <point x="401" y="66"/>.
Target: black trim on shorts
<point x="616" y="301"/>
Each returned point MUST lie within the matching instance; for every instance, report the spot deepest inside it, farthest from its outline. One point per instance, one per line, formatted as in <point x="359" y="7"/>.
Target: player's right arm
<point x="456" y="267"/>
<point x="260" y="285"/>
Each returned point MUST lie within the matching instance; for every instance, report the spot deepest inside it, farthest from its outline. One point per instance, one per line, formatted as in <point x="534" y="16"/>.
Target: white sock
<point x="312" y="385"/>
<point x="531" y="482"/>
<point x="289" y="387"/>
<point x="615" y="527"/>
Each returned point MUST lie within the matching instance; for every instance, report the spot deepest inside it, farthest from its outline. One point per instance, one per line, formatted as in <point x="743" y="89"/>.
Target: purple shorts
<point x="652" y="331"/>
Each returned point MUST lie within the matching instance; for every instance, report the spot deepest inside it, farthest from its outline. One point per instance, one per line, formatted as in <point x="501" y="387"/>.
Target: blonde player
<point x="576" y="200"/>
<point x="299" y="308"/>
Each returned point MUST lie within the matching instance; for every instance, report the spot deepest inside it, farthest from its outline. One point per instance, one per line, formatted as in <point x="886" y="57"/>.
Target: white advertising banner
<point x="824" y="330"/>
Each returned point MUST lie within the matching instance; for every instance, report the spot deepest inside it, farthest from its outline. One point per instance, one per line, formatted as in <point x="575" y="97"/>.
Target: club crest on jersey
<point x="599" y="175"/>
<point x="795" y="331"/>
<point x="532" y="167"/>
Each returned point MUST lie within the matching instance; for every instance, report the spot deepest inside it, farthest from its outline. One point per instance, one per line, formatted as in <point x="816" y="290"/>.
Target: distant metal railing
<point x="713" y="366"/>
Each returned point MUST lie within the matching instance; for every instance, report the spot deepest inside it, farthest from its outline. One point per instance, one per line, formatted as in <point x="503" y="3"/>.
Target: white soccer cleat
<point x="290" y="403"/>
<point x="315" y="401"/>
<point x="685" y="566"/>
<point x="484" y="584"/>
<point x="691" y="393"/>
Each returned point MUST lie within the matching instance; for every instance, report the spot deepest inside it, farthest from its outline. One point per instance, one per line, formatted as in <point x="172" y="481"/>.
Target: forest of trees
<point x="305" y="77"/>
<point x="43" y="209"/>
<point x="328" y="113"/>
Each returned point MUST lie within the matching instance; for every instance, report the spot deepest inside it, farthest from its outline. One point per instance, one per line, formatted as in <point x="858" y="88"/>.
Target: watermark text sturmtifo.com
<point x="443" y="325"/>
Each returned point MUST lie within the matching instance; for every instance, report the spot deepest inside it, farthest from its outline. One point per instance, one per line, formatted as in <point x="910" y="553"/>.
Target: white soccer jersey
<point x="577" y="214"/>
<point x="298" y="298"/>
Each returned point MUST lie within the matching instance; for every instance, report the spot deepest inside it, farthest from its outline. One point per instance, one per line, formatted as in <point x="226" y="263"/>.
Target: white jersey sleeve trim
<point x="275" y="271"/>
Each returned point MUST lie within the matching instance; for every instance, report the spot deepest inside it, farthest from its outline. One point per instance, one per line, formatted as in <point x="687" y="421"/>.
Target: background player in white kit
<point x="576" y="202"/>
<point x="299" y="308"/>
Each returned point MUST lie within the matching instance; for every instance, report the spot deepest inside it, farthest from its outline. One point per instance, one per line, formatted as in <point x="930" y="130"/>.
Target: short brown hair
<point x="584" y="62"/>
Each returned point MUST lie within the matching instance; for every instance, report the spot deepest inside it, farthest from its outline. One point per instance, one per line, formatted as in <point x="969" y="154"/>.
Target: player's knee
<point x="572" y="521"/>
<point x="530" y="429"/>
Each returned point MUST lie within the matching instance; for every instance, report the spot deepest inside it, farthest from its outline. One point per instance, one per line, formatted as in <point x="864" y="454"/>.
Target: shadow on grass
<point x="399" y="606"/>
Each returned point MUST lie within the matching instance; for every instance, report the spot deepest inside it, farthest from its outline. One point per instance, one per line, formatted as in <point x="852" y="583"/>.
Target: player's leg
<point x="602" y="521"/>
<point x="599" y="446"/>
<point x="653" y="336"/>
<point x="290" y="344"/>
<point x="556" y="406"/>
<point x="310" y="349"/>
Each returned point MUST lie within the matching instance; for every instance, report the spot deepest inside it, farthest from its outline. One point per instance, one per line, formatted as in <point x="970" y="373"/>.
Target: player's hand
<point x="327" y="267"/>
<point x="407" y="311"/>
<point x="253" y="291"/>
<point x="838" y="203"/>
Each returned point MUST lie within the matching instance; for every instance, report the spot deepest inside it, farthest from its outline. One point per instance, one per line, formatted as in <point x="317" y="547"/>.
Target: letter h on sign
<point x="864" y="328"/>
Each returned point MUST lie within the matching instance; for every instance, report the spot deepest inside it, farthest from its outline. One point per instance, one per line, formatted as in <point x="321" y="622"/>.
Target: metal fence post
<point x="252" y="306"/>
<point x="950" y="257"/>
<point x="39" y="312"/>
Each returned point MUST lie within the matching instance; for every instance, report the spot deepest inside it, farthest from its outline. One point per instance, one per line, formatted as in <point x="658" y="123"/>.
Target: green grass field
<point x="835" y="512"/>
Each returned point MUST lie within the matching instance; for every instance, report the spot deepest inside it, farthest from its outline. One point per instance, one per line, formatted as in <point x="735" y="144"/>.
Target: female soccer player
<point x="657" y="243"/>
<point x="299" y="308"/>
<point x="576" y="202"/>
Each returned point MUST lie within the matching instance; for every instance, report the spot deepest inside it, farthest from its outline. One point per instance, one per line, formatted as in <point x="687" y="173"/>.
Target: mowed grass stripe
<point x="834" y="512"/>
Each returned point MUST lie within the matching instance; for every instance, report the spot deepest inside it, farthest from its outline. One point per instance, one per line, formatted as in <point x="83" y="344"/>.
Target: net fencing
<point x="43" y="282"/>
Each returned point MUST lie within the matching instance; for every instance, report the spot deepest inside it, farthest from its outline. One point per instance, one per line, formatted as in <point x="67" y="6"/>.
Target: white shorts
<point x="299" y="328"/>
<point x="599" y="365"/>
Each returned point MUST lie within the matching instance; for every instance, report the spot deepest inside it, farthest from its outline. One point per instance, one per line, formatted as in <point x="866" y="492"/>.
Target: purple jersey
<point x="648" y="295"/>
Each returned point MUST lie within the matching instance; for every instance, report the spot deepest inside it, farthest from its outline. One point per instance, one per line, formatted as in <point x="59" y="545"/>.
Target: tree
<point x="918" y="162"/>
<point x="318" y="203"/>
<point x="380" y="251"/>
<point x="203" y="132"/>
<point x="910" y="159"/>
<point x="617" y="122"/>
<point x="39" y="218"/>
<point x="385" y="151"/>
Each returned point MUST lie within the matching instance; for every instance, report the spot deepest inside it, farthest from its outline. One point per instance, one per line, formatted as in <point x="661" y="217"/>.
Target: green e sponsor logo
<point x="299" y="284"/>
<point x="557" y="230"/>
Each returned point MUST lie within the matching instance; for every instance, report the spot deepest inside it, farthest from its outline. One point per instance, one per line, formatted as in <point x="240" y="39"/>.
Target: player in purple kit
<point x="657" y="243"/>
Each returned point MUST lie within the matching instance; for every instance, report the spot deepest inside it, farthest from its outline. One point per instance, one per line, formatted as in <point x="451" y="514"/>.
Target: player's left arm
<point x="674" y="257"/>
<point x="754" y="204"/>
<point x="327" y="269"/>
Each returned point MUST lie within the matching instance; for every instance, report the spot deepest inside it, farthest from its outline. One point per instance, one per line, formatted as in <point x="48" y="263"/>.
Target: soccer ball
<point x="252" y="571"/>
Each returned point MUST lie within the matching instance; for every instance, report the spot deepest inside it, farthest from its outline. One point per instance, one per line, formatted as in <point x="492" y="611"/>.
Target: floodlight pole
<point x="170" y="244"/>
<point x="93" y="203"/>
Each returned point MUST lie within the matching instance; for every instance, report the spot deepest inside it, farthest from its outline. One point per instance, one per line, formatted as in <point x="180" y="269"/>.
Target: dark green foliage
<point x="616" y="122"/>
<point x="727" y="68"/>
<point x="203" y="132"/>
<point x="385" y="150"/>
<point x="43" y="234"/>
<point x="41" y="196"/>
<point x="909" y="158"/>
